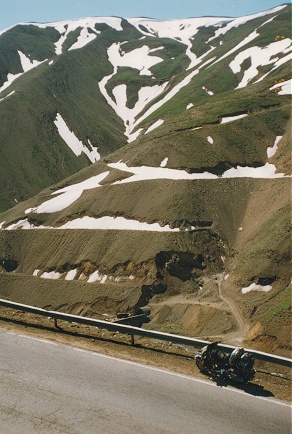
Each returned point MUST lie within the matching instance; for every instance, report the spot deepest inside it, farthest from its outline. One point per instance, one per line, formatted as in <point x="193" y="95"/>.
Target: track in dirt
<point x="238" y="335"/>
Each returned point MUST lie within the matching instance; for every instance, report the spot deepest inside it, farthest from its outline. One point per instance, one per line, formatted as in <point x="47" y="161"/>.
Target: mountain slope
<point x="187" y="124"/>
<point x="96" y="74"/>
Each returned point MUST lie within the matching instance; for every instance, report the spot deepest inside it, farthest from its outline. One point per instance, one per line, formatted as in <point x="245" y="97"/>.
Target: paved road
<point x="52" y="388"/>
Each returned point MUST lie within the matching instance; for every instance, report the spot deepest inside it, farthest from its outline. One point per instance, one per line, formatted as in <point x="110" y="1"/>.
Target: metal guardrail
<point x="136" y="331"/>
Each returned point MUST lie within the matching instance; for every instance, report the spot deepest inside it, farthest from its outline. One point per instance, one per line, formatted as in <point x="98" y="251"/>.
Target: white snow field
<point x="255" y="287"/>
<point x="259" y="56"/>
<point x="51" y="275"/>
<point x="24" y="224"/>
<point x="272" y="149"/>
<point x="26" y="63"/>
<point x="66" y="27"/>
<point x="11" y="93"/>
<point x="232" y="118"/>
<point x="96" y="276"/>
<point x="71" y="274"/>
<point x="141" y="60"/>
<point x="73" y="142"/>
<point x="164" y="162"/>
<point x="235" y="22"/>
<point x="266" y="171"/>
<point x="115" y="223"/>
<point x="68" y="195"/>
<point x="286" y="87"/>
<point x="143" y="173"/>
<point x="101" y="223"/>
<point x="154" y="126"/>
<point x="182" y="30"/>
<point x="209" y="92"/>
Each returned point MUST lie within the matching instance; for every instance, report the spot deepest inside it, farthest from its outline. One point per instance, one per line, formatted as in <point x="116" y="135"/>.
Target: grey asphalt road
<point x="47" y="387"/>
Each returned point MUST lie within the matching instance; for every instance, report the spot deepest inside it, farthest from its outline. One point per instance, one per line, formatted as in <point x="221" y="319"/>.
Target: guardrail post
<point x="56" y="322"/>
<point x="132" y="340"/>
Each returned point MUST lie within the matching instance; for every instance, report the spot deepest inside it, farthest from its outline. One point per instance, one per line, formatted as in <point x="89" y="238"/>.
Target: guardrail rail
<point x="136" y="331"/>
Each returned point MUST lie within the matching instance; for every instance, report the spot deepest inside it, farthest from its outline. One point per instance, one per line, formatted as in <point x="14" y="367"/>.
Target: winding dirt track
<point x="225" y="303"/>
<point x="238" y="335"/>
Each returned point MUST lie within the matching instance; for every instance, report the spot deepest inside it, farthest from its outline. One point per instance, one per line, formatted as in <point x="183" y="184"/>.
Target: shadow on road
<point x="250" y="388"/>
<point x="88" y="335"/>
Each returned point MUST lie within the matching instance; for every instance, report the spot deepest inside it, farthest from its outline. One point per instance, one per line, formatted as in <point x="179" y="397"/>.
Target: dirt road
<point x="237" y="336"/>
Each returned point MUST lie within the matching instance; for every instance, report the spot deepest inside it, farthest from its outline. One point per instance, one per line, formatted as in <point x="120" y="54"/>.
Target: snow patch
<point x="73" y="142"/>
<point x="245" y="41"/>
<point x="71" y="274"/>
<point x="116" y="223"/>
<point x="86" y="24"/>
<point x="232" y="118"/>
<point x="155" y="125"/>
<point x="164" y="162"/>
<point x="190" y="106"/>
<point x="142" y="173"/>
<point x="84" y="38"/>
<point x="266" y="171"/>
<point x="67" y="195"/>
<point x="133" y="136"/>
<point x="285" y="86"/>
<point x="278" y="63"/>
<point x="51" y="275"/>
<point x="11" y="93"/>
<point x="235" y="22"/>
<point x="255" y="287"/>
<point x="181" y="31"/>
<point x="139" y="58"/>
<point x="26" y="64"/>
<point x="36" y="272"/>
<point x="259" y="56"/>
<point x="23" y="224"/>
<point x="210" y="140"/>
<point x="272" y="149"/>
<point x="96" y="276"/>
<point x="209" y="92"/>
<point x="119" y="103"/>
<point x="168" y="96"/>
